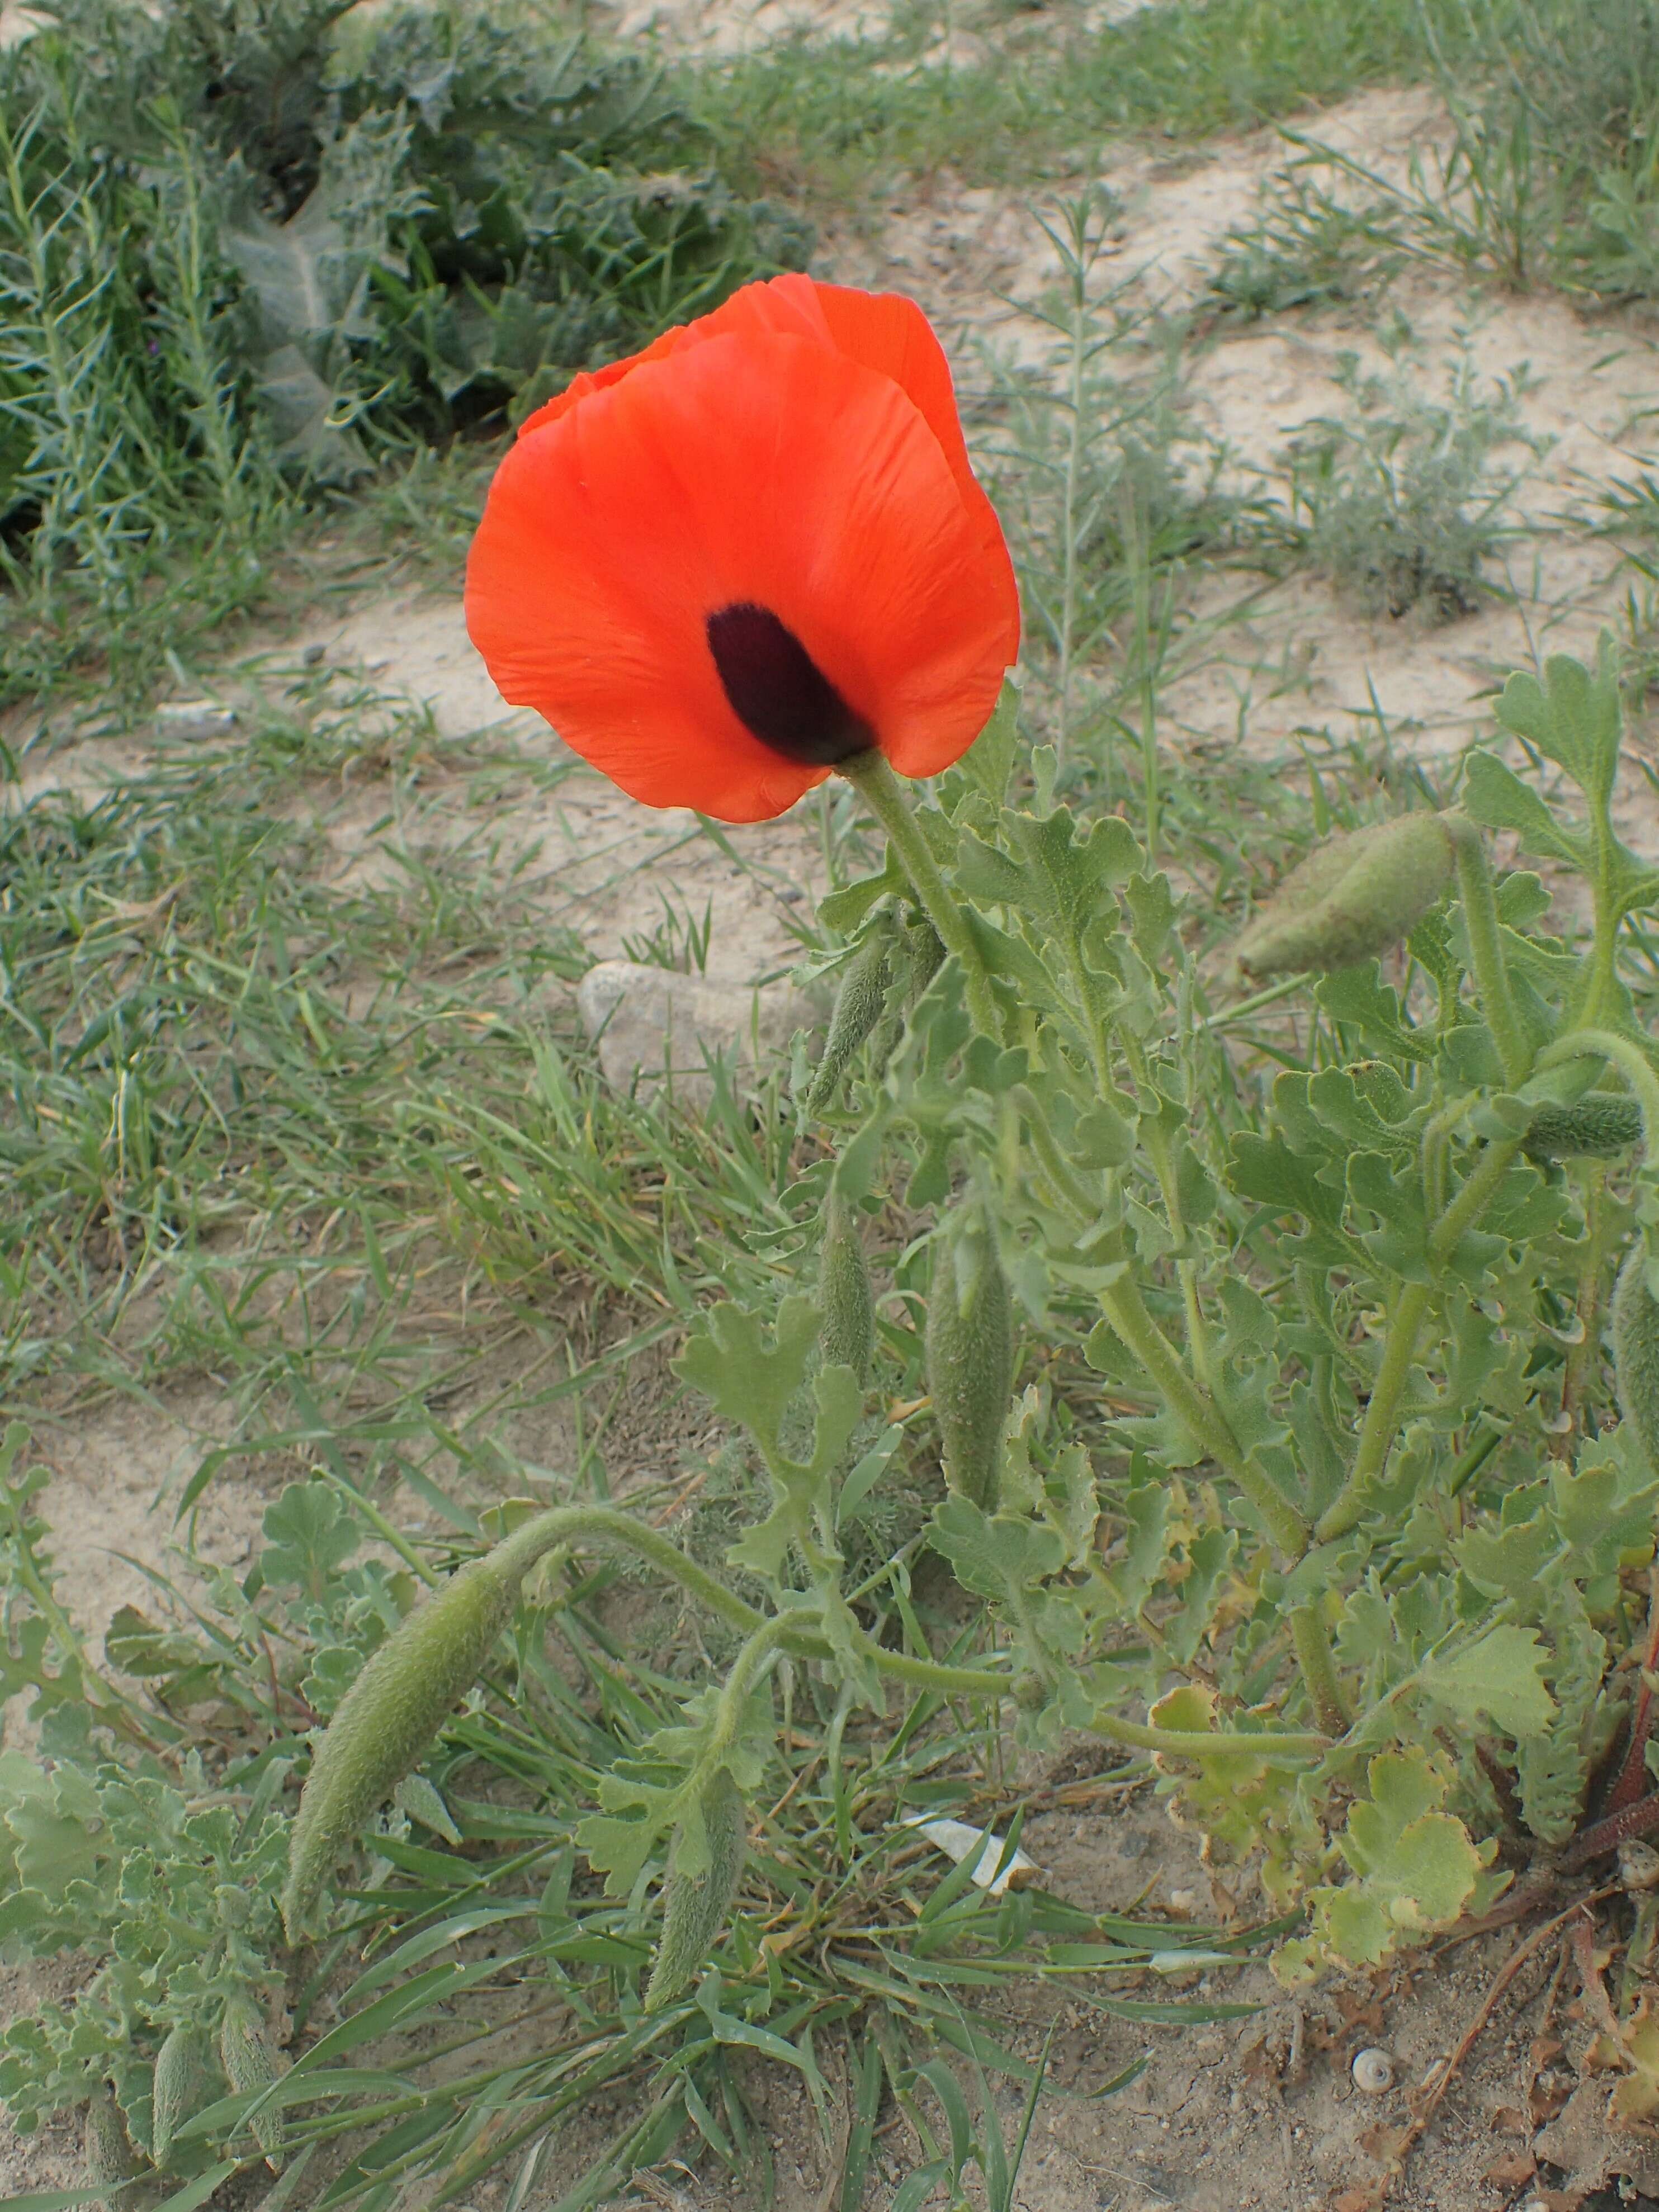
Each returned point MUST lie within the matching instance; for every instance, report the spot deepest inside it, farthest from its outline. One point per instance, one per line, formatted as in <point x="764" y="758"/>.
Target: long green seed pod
<point x="847" y="1305"/>
<point x="859" y="1005"/>
<point x="109" y="2155"/>
<point x="176" y="2090"/>
<point x="1636" y="1349"/>
<point x="1351" y="898"/>
<point x="970" y="1359"/>
<point x="390" y="1715"/>
<point x="1602" y="1124"/>
<point x="250" y="2064"/>
<point x="694" y="1906"/>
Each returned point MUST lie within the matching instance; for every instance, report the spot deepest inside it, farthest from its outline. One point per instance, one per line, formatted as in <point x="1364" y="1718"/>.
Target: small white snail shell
<point x="1373" y="2072"/>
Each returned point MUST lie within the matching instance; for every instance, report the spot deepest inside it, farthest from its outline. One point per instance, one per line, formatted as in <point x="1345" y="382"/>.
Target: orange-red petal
<point x="745" y="464"/>
<point x="885" y="331"/>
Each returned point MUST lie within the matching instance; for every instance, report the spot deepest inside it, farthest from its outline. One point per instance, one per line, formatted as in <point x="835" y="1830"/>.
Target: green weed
<point x="249" y="248"/>
<point x="1401" y="503"/>
<point x="832" y="112"/>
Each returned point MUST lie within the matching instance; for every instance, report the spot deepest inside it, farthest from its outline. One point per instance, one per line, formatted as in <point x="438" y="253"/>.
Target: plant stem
<point x="1183" y="1743"/>
<point x="571" y="1524"/>
<point x="1068" y="1184"/>
<point x="1492" y="976"/>
<point x="884" y="793"/>
<point x="1313" y="1655"/>
<point x="1377" y="1430"/>
<point x="1126" y="1311"/>
<point x="1587" y="1305"/>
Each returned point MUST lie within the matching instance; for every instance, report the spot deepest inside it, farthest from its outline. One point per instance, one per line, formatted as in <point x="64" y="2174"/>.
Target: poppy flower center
<point x="778" y="691"/>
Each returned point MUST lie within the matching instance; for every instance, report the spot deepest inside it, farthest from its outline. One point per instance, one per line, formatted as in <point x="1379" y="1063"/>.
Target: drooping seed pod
<point x="858" y="1004"/>
<point x="1351" y="898"/>
<point x="252" y="2064"/>
<point x="109" y="2156"/>
<point x="970" y="1358"/>
<point x="176" y="2091"/>
<point x="847" y="1305"/>
<point x="1635" y="1349"/>
<point x="390" y="1715"/>
<point x="695" y="1904"/>
<point x="1602" y="1124"/>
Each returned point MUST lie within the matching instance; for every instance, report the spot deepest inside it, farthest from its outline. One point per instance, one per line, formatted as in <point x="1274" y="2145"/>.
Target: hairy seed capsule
<point x="970" y="1362"/>
<point x="847" y="1306"/>
<point x="1599" y="1125"/>
<point x="250" y="2064"/>
<point x="859" y="1005"/>
<point x="390" y="1716"/>
<point x="924" y="955"/>
<point x="694" y="1906"/>
<point x="1635" y="1349"/>
<point x="1351" y="898"/>
<point x="175" y="2091"/>
<point x="109" y="2156"/>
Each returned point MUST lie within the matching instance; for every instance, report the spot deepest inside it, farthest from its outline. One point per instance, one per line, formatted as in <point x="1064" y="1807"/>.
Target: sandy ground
<point x="1262" y="2113"/>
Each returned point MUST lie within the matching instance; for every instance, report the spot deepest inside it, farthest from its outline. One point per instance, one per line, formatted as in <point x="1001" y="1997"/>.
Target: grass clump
<point x="1400" y="502"/>
<point x="831" y="112"/>
<point x="252" y="246"/>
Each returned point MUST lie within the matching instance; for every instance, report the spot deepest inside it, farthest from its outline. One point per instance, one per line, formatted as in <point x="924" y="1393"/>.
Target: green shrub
<point x="245" y="247"/>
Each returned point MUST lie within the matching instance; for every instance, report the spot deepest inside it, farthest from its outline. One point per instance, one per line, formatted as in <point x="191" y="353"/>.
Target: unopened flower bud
<point x="390" y="1715"/>
<point x="694" y="1905"/>
<point x="250" y="2064"/>
<point x="970" y="1358"/>
<point x="176" y="2090"/>
<point x="1351" y="898"/>
<point x="847" y="1306"/>
<point x="858" y="1003"/>
<point x="1602" y="1124"/>
<point x="109" y="2156"/>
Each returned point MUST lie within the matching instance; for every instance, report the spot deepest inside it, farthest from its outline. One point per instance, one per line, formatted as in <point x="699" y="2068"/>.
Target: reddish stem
<point x="1633" y="1779"/>
<point x="1602" y="1836"/>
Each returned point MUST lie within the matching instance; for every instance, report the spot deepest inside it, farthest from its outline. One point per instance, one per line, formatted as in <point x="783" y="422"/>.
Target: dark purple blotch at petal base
<point x="778" y="691"/>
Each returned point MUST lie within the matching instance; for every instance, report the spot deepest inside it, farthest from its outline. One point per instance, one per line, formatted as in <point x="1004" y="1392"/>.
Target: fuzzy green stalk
<point x="1377" y="1431"/>
<point x="1126" y="1311"/>
<point x="1582" y="1357"/>
<point x="1492" y="974"/>
<point x="884" y="794"/>
<point x="1312" y="1647"/>
<point x="1067" y="1183"/>
<point x="1193" y="1743"/>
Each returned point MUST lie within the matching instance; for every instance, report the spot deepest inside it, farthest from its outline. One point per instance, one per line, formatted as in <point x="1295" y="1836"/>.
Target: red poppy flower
<point x="753" y="550"/>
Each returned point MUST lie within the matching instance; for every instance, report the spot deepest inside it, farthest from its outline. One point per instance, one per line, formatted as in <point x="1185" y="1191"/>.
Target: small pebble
<point x="1639" y="1865"/>
<point x="1373" y="2072"/>
<point x="194" y="718"/>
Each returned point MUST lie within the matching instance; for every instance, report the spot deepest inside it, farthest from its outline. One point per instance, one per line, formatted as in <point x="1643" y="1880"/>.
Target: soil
<point x="1262" y="2112"/>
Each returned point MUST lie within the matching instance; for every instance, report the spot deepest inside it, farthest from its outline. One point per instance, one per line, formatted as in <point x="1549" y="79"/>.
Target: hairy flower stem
<point x="1376" y="1432"/>
<point x="564" y="1524"/>
<point x="1492" y="976"/>
<point x="1126" y="1311"/>
<point x="1313" y="1655"/>
<point x="1581" y="1359"/>
<point x="884" y="794"/>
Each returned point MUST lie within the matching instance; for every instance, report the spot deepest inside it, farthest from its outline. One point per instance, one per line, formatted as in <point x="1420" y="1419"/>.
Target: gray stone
<point x="652" y="1024"/>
